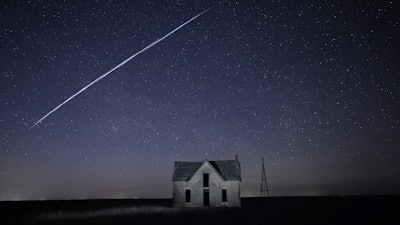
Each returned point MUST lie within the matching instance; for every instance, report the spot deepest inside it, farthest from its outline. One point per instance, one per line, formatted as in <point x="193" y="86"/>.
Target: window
<point x="187" y="195"/>
<point x="206" y="197"/>
<point x="224" y="196"/>
<point x="205" y="179"/>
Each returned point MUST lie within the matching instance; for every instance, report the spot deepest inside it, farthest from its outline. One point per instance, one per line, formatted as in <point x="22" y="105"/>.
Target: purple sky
<point x="313" y="87"/>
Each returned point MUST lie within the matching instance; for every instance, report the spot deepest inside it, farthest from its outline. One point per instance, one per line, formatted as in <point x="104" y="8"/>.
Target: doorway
<point x="206" y="198"/>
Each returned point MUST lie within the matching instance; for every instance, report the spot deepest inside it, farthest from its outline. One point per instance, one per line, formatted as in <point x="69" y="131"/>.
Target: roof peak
<point x="228" y="169"/>
<point x="206" y="160"/>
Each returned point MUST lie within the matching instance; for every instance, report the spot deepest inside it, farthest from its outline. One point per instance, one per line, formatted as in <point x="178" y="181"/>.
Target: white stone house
<point x="207" y="183"/>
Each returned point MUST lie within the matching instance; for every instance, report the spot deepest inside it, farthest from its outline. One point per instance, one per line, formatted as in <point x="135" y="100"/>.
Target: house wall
<point x="216" y="184"/>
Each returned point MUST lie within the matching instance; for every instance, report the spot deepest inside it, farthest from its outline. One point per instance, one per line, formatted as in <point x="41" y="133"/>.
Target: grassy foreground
<point x="273" y="210"/>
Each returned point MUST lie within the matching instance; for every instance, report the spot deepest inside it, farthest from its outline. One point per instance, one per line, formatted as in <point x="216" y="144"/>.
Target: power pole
<point x="264" y="186"/>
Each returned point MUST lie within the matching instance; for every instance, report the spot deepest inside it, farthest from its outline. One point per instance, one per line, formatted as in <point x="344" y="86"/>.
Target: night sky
<point x="311" y="86"/>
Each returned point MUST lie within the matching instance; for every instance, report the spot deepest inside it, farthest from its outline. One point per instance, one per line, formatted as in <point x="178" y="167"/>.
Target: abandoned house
<point x="207" y="183"/>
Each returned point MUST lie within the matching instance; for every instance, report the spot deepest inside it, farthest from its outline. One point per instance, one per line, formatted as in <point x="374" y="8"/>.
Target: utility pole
<point x="264" y="186"/>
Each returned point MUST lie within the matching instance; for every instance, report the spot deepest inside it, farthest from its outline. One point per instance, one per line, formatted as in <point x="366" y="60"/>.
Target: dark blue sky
<point x="313" y="87"/>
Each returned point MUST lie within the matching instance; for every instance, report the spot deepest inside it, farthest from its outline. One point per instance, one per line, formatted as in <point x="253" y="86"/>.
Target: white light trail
<point x="117" y="66"/>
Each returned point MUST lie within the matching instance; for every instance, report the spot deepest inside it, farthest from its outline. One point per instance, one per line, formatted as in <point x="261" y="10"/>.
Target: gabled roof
<point x="184" y="170"/>
<point x="228" y="169"/>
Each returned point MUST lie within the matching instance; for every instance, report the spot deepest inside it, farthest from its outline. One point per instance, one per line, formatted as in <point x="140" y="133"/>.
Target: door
<point x="206" y="198"/>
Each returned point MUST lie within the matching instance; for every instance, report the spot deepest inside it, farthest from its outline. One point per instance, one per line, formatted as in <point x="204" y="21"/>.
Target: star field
<point x="313" y="87"/>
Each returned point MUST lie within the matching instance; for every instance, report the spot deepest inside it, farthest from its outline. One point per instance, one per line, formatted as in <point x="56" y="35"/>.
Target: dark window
<point x="205" y="179"/>
<point x="187" y="195"/>
<point x="206" y="198"/>
<point x="224" y="197"/>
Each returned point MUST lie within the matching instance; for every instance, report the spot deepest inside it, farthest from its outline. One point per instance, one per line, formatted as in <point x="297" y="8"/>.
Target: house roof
<point x="228" y="169"/>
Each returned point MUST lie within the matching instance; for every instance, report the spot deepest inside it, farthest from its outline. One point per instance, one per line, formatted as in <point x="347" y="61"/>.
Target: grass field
<point x="274" y="210"/>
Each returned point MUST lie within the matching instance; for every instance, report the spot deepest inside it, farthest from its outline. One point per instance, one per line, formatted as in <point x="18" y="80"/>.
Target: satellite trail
<point x="118" y="66"/>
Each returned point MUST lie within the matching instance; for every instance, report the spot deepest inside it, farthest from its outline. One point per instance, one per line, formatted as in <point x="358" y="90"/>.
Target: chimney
<point x="236" y="157"/>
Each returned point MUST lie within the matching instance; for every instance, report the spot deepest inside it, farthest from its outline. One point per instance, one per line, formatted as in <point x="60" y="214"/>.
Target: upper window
<point x="205" y="179"/>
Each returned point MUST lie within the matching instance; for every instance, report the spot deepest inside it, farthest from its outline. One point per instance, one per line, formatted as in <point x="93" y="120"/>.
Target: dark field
<point x="274" y="210"/>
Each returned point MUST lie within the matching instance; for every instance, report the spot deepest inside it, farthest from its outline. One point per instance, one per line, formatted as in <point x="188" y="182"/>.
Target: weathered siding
<point x="216" y="184"/>
<point x="179" y="193"/>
